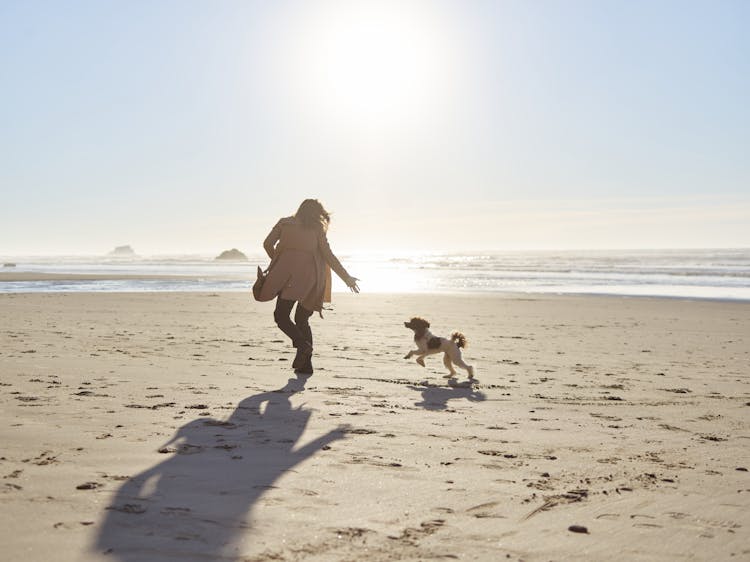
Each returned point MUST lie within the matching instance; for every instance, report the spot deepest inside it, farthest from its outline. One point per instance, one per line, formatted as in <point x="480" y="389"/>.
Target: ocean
<point x="711" y="274"/>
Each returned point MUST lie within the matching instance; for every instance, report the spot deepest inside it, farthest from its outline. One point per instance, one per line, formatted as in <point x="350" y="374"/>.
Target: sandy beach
<point x="155" y="427"/>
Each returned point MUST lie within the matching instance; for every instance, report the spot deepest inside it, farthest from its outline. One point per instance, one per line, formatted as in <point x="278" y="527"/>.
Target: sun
<point x="373" y="64"/>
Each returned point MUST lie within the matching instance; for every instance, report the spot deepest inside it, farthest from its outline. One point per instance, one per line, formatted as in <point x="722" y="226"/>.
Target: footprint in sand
<point x="486" y="510"/>
<point x="88" y="486"/>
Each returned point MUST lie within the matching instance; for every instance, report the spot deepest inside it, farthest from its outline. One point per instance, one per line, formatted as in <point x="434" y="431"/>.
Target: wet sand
<point x="150" y="427"/>
<point x="25" y="276"/>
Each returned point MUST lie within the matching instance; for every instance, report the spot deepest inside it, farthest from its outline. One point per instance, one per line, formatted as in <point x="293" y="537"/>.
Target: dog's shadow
<point x="436" y="397"/>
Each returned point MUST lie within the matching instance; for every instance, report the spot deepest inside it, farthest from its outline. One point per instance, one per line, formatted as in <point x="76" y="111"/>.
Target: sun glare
<point x="373" y="64"/>
<point x="383" y="277"/>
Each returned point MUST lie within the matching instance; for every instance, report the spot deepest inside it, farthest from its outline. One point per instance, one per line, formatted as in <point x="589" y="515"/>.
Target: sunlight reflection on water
<point x="723" y="274"/>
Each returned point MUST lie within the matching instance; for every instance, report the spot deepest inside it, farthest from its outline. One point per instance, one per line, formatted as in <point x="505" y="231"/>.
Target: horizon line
<point x="349" y="252"/>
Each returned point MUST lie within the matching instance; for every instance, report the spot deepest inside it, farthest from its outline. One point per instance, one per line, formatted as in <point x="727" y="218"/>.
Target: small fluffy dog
<point x="428" y="344"/>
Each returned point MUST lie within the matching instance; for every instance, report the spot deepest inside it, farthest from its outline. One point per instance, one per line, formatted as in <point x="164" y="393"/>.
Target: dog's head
<point x="419" y="325"/>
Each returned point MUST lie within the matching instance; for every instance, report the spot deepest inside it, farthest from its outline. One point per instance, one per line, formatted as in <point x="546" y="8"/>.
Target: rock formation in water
<point x="122" y="251"/>
<point x="232" y="255"/>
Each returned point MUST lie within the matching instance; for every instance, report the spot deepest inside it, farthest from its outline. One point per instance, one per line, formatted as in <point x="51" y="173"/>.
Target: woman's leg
<point x="302" y="320"/>
<point x="281" y="315"/>
<point x="303" y="362"/>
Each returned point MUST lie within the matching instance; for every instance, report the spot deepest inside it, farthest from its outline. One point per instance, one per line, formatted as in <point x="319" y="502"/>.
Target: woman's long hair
<point x="312" y="214"/>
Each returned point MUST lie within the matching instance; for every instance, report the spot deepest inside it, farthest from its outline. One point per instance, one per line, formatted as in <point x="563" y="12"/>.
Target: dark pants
<point x="298" y="331"/>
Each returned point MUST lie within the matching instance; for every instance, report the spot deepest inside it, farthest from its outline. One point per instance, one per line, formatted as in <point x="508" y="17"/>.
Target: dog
<point x="428" y="344"/>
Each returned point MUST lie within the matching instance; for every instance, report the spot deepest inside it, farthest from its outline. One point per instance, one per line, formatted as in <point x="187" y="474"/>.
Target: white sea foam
<point x="723" y="274"/>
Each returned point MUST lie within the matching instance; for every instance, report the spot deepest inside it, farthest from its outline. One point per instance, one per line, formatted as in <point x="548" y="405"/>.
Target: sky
<point x="187" y="126"/>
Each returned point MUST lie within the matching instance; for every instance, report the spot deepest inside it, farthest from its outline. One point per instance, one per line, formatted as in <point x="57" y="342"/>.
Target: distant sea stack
<point x="231" y="255"/>
<point x="122" y="252"/>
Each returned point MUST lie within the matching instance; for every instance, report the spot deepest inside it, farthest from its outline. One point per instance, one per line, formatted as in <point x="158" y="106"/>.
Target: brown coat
<point x="301" y="265"/>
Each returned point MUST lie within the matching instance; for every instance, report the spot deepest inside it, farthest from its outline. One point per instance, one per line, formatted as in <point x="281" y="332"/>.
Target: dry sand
<point x="154" y="427"/>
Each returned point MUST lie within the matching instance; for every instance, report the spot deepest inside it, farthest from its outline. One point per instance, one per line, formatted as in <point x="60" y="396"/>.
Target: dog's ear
<point x="419" y="324"/>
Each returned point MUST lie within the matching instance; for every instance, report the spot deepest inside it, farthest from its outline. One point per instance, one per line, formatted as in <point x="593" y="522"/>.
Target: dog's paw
<point x="420" y="361"/>
<point x="407" y="356"/>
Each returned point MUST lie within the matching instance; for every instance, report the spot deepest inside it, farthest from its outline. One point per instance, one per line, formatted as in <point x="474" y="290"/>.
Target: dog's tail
<point x="459" y="339"/>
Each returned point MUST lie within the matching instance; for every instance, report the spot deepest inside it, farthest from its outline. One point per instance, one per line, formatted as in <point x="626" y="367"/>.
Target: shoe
<point x="304" y="353"/>
<point x="306" y="369"/>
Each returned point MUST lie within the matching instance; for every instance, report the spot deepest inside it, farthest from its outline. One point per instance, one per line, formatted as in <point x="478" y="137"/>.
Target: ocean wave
<point x="668" y="272"/>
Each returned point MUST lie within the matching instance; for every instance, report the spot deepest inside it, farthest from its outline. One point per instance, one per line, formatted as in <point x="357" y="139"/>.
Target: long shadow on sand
<point x="437" y="397"/>
<point x="195" y="505"/>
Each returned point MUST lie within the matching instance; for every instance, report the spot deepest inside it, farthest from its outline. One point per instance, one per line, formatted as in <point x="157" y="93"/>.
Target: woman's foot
<point x="304" y="353"/>
<point x="306" y="369"/>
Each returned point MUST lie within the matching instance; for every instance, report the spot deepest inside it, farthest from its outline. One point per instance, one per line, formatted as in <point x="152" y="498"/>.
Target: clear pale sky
<point x="192" y="126"/>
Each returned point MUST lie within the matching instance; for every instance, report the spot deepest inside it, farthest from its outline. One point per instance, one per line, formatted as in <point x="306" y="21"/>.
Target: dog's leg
<point x="470" y="370"/>
<point x="447" y="362"/>
<point x="411" y="353"/>
<point x="459" y="361"/>
<point x="425" y="353"/>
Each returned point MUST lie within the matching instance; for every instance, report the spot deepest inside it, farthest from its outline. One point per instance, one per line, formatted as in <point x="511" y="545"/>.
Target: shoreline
<point x="200" y="290"/>
<point x="30" y="277"/>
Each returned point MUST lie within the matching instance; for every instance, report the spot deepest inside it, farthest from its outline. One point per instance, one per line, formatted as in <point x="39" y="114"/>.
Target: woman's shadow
<point x="436" y="397"/>
<point x="196" y="504"/>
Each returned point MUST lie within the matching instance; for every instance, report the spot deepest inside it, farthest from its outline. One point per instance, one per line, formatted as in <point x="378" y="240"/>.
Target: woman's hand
<point x="351" y="282"/>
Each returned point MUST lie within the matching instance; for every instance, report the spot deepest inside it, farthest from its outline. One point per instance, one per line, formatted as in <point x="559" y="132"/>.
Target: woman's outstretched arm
<point x="335" y="264"/>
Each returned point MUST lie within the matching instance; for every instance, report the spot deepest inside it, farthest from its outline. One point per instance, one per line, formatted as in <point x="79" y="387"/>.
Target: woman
<point x="300" y="271"/>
